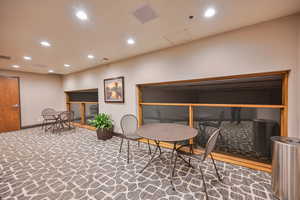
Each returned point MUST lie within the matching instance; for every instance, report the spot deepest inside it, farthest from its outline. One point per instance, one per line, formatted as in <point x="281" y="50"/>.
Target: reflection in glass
<point x="75" y="107"/>
<point x="245" y="132"/>
<point x="91" y="110"/>
<point x="166" y="114"/>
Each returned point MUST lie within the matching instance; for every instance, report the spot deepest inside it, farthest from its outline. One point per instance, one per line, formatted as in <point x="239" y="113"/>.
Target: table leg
<point x="187" y="162"/>
<point x="191" y="152"/>
<point x="152" y="157"/>
<point x="172" y="171"/>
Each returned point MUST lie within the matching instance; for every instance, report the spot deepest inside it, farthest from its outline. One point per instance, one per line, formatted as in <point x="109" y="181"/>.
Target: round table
<point x="167" y="132"/>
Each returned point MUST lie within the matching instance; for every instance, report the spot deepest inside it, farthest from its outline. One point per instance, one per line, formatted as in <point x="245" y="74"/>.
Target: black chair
<point x="129" y="125"/>
<point x="210" y="145"/>
<point x="49" y="117"/>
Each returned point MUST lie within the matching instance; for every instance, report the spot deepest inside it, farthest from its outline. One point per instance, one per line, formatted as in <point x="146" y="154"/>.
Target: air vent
<point x="5" y="57"/>
<point x="145" y="14"/>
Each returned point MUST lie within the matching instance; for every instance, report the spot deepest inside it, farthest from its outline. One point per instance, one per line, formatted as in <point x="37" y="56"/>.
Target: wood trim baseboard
<point x="34" y="125"/>
<point x="84" y="126"/>
<point x="222" y="157"/>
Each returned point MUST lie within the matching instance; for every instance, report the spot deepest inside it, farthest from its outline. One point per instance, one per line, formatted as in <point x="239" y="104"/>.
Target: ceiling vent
<point x="145" y="14"/>
<point x="5" y="57"/>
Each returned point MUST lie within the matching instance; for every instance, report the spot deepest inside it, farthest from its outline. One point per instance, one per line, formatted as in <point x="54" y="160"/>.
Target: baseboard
<point x="34" y="125"/>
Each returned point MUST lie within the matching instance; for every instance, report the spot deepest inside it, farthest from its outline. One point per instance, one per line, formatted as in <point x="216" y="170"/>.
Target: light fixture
<point x="45" y="43"/>
<point x="50" y="70"/>
<point x="80" y="14"/>
<point x="130" y="41"/>
<point x="67" y="65"/>
<point x="27" y="57"/>
<point x="210" y="12"/>
<point x="90" y="56"/>
<point x="15" y="66"/>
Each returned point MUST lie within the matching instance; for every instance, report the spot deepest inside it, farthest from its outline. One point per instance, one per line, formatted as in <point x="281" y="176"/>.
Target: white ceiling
<point x="24" y="23"/>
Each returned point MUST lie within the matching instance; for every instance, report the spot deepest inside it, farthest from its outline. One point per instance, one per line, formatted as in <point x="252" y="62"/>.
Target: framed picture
<point x="114" y="90"/>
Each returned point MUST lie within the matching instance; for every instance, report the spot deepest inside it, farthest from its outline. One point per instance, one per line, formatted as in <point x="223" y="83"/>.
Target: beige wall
<point x="265" y="47"/>
<point x="36" y="93"/>
<point x="298" y="76"/>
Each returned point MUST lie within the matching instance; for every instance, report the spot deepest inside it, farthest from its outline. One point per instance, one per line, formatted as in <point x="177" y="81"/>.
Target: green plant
<point x="102" y="121"/>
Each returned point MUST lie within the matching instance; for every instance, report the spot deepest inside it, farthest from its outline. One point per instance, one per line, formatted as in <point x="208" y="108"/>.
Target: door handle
<point x="16" y="106"/>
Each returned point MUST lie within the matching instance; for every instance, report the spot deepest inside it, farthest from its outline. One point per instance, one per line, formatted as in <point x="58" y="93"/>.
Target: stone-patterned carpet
<point x="75" y="165"/>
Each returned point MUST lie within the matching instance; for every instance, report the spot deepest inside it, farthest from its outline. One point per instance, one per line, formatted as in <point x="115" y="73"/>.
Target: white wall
<point x="38" y="92"/>
<point x="265" y="47"/>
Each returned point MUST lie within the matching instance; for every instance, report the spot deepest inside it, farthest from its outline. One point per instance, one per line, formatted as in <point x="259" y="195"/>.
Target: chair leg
<point x="43" y="124"/>
<point x="138" y="143"/>
<point x="121" y="145"/>
<point x="213" y="160"/>
<point x="149" y="147"/>
<point x="191" y="153"/>
<point x="127" y="151"/>
<point x="204" y="184"/>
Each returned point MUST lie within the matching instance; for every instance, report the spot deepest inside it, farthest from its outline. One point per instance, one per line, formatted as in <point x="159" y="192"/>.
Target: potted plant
<point x="104" y="126"/>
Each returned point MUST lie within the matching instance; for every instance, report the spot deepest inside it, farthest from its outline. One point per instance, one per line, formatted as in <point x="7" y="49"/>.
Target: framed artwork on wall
<point x="114" y="90"/>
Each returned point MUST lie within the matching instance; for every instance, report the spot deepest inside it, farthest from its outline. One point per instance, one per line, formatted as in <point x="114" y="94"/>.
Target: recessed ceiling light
<point x="90" y="56"/>
<point x="210" y="12"/>
<point x="45" y="43"/>
<point x="130" y="41"/>
<point x="50" y="70"/>
<point x="27" y="57"/>
<point x="15" y="66"/>
<point x="80" y="14"/>
<point x="67" y="65"/>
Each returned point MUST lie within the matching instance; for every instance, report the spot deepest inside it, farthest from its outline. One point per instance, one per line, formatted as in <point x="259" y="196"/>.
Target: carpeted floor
<point x="75" y="165"/>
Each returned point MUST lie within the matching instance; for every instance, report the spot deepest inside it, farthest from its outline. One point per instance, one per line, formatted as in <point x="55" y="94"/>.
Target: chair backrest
<point x="67" y="116"/>
<point x="211" y="143"/>
<point x="129" y="124"/>
<point x="48" y="113"/>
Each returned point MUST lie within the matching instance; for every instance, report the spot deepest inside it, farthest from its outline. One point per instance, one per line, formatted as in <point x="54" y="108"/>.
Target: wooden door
<point x="9" y="104"/>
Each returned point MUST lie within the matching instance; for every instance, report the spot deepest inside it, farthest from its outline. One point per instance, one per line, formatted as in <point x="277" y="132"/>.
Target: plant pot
<point x="104" y="134"/>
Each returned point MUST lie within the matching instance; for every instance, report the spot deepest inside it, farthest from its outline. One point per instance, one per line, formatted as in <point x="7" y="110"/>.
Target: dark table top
<point x="168" y="132"/>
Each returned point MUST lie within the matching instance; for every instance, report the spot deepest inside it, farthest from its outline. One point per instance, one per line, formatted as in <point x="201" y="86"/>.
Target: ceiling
<point x="24" y="24"/>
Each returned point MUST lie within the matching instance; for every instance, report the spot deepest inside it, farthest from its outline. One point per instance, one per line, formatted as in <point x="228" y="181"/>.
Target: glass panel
<point x="87" y="96"/>
<point x="90" y="111"/>
<point x="265" y="90"/>
<point x="166" y="114"/>
<point x="245" y="132"/>
<point x="75" y="107"/>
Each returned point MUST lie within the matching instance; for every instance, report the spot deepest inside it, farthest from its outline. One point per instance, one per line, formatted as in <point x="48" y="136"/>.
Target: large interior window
<point x="247" y="110"/>
<point x="84" y="104"/>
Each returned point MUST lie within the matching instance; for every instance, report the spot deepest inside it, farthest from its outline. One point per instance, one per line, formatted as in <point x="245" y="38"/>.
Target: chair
<point x="49" y="116"/>
<point x="204" y="124"/>
<point x="210" y="145"/>
<point x="66" y="118"/>
<point x="129" y="125"/>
